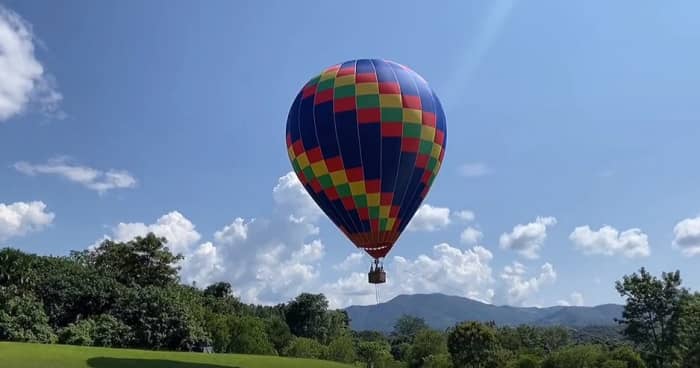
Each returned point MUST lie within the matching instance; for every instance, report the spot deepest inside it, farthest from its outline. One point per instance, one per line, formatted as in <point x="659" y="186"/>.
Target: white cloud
<point x="475" y="169"/>
<point x="528" y="239"/>
<point x="88" y="177"/>
<point x="575" y="300"/>
<point x="290" y="195"/>
<point x="352" y="260"/>
<point x="237" y="230"/>
<point x="520" y="288"/>
<point x="609" y="241"/>
<point x="176" y="228"/>
<point x="24" y="80"/>
<point x="471" y="236"/>
<point x="465" y="215"/>
<point x="429" y="218"/>
<point x="21" y="218"/>
<point x="687" y="236"/>
<point x="449" y="270"/>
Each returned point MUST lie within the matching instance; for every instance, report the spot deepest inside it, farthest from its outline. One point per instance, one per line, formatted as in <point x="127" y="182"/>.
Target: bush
<point x="341" y="349"/>
<point x="302" y="347"/>
<point x="22" y="318"/>
<point x="79" y="333"/>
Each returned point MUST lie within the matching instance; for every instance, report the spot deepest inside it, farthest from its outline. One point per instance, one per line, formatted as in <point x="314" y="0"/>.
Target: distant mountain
<point x="441" y="311"/>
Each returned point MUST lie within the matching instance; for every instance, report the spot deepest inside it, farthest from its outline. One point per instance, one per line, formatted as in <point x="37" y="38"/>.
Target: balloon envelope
<point x="366" y="138"/>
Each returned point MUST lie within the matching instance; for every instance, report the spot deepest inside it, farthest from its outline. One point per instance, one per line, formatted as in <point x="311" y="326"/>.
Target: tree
<point x="426" y="343"/>
<point x="219" y="290"/>
<point x="406" y="327"/>
<point x="248" y="336"/>
<point x="278" y="332"/>
<point x="143" y="261"/>
<point x="473" y="345"/>
<point x="17" y="269"/>
<point x="341" y="349"/>
<point x="22" y="318"/>
<point x="302" y="347"/>
<point x="372" y="353"/>
<point x="690" y="321"/>
<point x="306" y="316"/>
<point x="651" y="316"/>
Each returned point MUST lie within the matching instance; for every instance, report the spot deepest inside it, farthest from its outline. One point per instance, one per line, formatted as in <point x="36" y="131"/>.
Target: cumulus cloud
<point x="93" y="179"/>
<point x="520" y="287"/>
<point x="21" y="218"/>
<point x="351" y="261"/>
<point x="609" y="241"/>
<point x="471" y="236"/>
<point x="687" y="236"/>
<point x="575" y="300"/>
<point x="528" y="239"/>
<point x="475" y="169"/>
<point x="24" y="79"/>
<point x="465" y="215"/>
<point x="290" y="195"/>
<point x="447" y="270"/>
<point x="175" y="227"/>
<point x="429" y="218"/>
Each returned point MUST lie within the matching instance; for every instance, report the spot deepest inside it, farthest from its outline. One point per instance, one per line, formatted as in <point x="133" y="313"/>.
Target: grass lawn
<point x="15" y="355"/>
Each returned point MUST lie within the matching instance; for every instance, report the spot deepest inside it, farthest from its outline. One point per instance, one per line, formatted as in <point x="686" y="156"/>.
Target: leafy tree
<point x="473" y="345"/>
<point x="652" y="315"/>
<point x="437" y="361"/>
<point x="143" y="261"/>
<point x="372" y="353"/>
<point x="306" y="316"/>
<point x="627" y="355"/>
<point x="22" y="318"/>
<point x="302" y="347"/>
<point x="17" y="269"/>
<point x="248" y="336"/>
<point x="338" y="324"/>
<point x="425" y="344"/>
<point x="278" y="332"/>
<point x="690" y="321"/>
<point x="79" y="333"/>
<point x="582" y="356"/>
<point x="406" y="327"/>
<point x="219" y="290"/>
<point x="524" y="361"/>
<point x="341" y="349"/>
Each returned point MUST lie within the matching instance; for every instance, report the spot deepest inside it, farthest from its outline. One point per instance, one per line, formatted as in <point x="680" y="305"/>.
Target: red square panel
<point x="439" y="137"/>
<point x="442" y="154"/>
<point x="392" y="129"/>
<point x="314" y="154"/>
<point x="394" y="211"/>
<point x="422" y="161"/>
<point x="374" y="223"/>
<point x="345" y="71"/>
<point x="429" y="118"/>
<point x="332" y="194"/>
<point x="364" y="213"/>
<point x="365" y="78"/>
<point x="324" y="96"/>
<point x="355" y="174"/>
<point x="373" y="186"/>
<point x="289" y="140"/>
<point x="298" y="147"/>
<point x="344" y="104"/>
<point x="334" y="164"/>
<point x="426" y="176"/>
<point x="411" y="102"/>
<point x="410" y="144"/>
<point x="309" y="91"/>
<point x="368" y="115"/>
<point x="389" y="88"/>
<point x="386" y="198"/>
<point x="315" y="185"/>
<point x="348" y="203"/>
<point x="302" y="178"/>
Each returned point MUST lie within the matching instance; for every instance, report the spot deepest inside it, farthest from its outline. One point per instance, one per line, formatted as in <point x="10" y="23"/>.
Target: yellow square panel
<point x="345" y="80"/>
<point x="328" y="75"/>
<point x="303" y="160"/>
<point x="389" y="100"/>
<point x="371" y="88"/>
<point x="339" y="177"/>
<point x="291" y="154"/>
<point x="390" y="223"/>
<point x="373" y="199"/>
<point x="412" y="115"/>
<point x="435" y="153"/>
<point x="357" y="188"/>
<point x="319" y="168"/>
<point x="384" y="211"/>
<point x="427" y="133"/>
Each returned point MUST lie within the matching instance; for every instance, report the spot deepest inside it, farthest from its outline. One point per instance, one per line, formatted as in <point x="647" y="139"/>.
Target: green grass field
<point x="14" y="355"/>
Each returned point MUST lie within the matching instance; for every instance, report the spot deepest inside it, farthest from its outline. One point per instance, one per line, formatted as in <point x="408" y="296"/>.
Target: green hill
<point x="15" y="355"/>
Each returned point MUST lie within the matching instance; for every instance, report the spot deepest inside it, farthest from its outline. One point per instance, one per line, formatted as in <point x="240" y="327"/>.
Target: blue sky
<point x="121" y="117"/>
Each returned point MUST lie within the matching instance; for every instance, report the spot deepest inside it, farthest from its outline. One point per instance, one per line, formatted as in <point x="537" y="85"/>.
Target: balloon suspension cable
<point x="376" y="292"/>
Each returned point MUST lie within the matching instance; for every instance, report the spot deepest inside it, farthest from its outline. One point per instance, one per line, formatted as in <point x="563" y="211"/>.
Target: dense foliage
<point x="128" y="294"/>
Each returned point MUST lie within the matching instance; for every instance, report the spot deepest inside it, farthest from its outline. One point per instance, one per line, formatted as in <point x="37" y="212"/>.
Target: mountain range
<point x="442" y="311"/>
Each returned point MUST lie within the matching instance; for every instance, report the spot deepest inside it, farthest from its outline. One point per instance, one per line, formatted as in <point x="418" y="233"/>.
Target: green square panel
<point x="411" y="130"/>
<point x="326" y="84"/>
<point x="392" y="114"/>
<point x="374" y="212"/>
<point x="425" y="147"/>
<point x="295" y="165"/>
<point x="367" y="101"/>
<point x="344" y="190"/>
<point x="345" y="91"/>
<point x="308" y="173"/>
<point x="360" y="201"/>
<point x="326" y="181"/>
<point x="431" y="164"/>
<point x="313" y="81"/>
<point x="382" y="224"/>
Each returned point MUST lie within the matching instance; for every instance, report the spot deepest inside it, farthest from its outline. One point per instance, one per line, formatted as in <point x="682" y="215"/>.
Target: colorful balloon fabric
<point x="366" y="138"/>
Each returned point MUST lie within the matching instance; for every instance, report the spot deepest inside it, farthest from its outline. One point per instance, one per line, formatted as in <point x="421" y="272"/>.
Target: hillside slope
<point x="441" y="311"/>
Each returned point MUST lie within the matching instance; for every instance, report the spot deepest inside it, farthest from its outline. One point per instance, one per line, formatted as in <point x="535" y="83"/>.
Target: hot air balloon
<point x="366" y="138"/>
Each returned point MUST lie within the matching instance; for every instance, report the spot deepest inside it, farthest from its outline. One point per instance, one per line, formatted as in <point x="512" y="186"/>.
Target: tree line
<point x="128" y="295"/>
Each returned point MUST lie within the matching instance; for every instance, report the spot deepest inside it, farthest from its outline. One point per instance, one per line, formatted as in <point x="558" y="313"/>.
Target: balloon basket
<point x="376" y="273"/>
